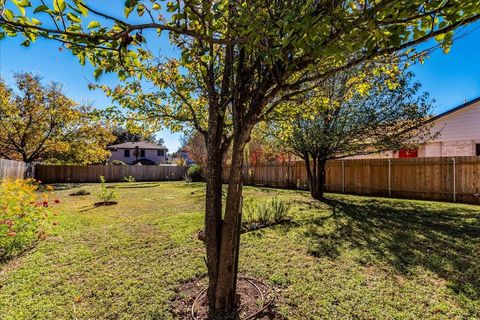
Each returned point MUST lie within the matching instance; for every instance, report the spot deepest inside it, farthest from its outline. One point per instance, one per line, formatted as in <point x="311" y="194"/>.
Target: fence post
<point x="343" y="176"/>
<point x="454" y="182"/>
<point x="389" y="177"/>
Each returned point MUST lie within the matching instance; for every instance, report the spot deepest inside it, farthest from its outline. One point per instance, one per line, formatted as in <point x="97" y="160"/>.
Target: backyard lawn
<point x="346" y="258"/>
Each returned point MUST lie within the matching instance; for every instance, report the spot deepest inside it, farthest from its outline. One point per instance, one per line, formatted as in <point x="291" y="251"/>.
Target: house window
<point x="142" y="153"/>
<point x="160" y="153"/>
<point x="408" y="153"/>
<point x="478" y="149"/>
<point x="126" y="153"/>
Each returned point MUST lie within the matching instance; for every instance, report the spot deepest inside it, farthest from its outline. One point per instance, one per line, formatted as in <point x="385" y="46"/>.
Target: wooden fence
<point x="112" y="173"/>
<point x="10" y="169"/>
<point x="444" y="179"/>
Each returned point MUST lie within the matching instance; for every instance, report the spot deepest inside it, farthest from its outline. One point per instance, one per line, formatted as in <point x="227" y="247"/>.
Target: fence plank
<point x="89" y="174"/>
<point x="415" y="178"/>
<point x="10" y="169"/>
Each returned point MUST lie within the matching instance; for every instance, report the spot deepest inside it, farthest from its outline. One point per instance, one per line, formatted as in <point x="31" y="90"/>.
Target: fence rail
<point x="112" y="173"/>
<point x="10" y="169"/>
<point x="443" y="179"/>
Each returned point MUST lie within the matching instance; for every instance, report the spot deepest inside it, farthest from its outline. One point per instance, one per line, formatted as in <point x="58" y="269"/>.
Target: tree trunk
<point x="213" y="219"/>
<point x="226" y="298"/>
<point x="316" y="176"/>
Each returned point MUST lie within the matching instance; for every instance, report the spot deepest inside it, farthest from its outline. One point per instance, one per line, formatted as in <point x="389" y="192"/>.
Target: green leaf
<point x="40" y="8"/>
<point x="72" y="17"/>
<point x="156" y="6"/>
<point x="8" y="14"/>
<point x="127" y="11"/>
<point x="81" y="8"/>
<point x="59" y="5"/>
<point x="140" y="10"/>
<point x="26" y="43"/>
<point x="93" y="24"/>
<point x="97" y="73"/>
<point x="21" y="4"/>
<point x="36" y="22"/>
<point x="440" y="37"/>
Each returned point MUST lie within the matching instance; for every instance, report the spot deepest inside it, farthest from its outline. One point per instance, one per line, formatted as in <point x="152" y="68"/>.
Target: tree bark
<point x="316" y="176"/>
<point x="226" y="298"/>
<point x="213" y="219"/>
<point x="213" y="199"/>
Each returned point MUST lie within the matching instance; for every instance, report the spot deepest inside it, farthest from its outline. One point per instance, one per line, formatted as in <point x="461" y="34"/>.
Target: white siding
<point x="433" y="149"/>
<point x="460" y="125"/>
<point x="119" y="154"/>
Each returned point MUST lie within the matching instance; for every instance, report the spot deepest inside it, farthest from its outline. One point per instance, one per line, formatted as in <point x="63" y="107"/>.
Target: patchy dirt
<point x="254" y="296"/>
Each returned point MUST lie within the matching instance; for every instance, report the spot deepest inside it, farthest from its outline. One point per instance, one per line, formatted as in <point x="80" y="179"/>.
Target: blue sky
<point x="450" y="79"/>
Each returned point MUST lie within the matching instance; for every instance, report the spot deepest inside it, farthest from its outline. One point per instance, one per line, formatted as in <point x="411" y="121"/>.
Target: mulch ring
<point x="104" y="204"/>
<point x="256" y="300"/>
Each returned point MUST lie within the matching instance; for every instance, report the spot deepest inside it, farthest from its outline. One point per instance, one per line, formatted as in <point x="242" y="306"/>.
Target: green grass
<point x="345" y="258"/>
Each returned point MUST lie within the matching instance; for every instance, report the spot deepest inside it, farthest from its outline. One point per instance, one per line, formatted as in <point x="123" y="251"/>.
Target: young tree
<point x="39" y="123"/>
<point x="347" y="115"/>
<point x="238" y="61"/>
<point x="194" y="144"/>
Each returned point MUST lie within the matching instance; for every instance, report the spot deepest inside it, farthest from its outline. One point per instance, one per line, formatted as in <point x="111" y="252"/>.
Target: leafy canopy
<point x="39" y="123"/>
<point x="279" y="45"/>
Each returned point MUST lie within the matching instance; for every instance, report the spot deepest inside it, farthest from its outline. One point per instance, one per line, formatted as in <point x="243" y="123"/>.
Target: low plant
<point x="187" y="178"/>
<point x="268" y="212"/>
<point x="80" y="192"/>
<point x="106" y="195"/>
<point x="24" y="217"/>
<point x="118" y="163"/>
<point x="195" y="173"/>
<point x="129" y="179"/>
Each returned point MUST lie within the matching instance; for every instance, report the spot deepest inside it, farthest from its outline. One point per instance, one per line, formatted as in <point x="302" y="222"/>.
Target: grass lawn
<point x="346" y="258"/>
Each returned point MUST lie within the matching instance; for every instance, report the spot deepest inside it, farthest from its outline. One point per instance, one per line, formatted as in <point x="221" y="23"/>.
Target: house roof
<point x="460" y="107"/>
<point x="141" y="145"/>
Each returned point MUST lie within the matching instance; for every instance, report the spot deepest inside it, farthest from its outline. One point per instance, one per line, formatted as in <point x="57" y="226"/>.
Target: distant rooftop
<point x="141" y="145"/>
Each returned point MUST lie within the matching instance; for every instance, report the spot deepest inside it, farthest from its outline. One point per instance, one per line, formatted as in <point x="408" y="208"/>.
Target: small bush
<point x="187" y="178"/>
<point x="106" y="195"/>
<point x="24" y="216"/>
<point x="195" y="173"/>
<point x="118" y="163"/>
<point x="129" y="179"/>
<point x="265" y="213"/>
<point x="81" y="192"/>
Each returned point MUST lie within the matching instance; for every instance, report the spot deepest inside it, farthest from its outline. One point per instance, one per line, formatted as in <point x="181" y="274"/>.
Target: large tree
<point x="39" y="123"/>
<point x="238" y="59"/>
<point x="125" y="133"/>
<point x="360" y="111"/>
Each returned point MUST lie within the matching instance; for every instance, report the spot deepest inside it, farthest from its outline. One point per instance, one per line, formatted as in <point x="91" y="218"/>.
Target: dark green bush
<point x="194" y="173"/>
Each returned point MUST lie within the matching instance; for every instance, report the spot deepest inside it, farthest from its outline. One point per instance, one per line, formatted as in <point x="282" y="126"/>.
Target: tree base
<point x="255" y="298"/>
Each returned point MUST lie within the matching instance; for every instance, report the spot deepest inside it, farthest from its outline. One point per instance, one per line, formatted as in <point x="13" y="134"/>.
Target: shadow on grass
<point x="443" y="240"/>
<point x="64" y="186"/>
<point x="137" y="186"/>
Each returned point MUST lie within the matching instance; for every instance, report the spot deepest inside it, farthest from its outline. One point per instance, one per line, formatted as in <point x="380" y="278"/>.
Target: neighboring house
<point x="459" y="132"/>
<point x="458" y="135"/>
<point x="146" y="153"/>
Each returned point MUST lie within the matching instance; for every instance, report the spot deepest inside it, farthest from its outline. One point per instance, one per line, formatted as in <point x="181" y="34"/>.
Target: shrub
<point x="129" y="179"/>
<point x="187" y="178"/>
<point x="24" y="216"/>
<point x="265" y="213"/>
<point x="106" y="195"/>
<point x="194" y="172"/>
<point x="118" y="163"/>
